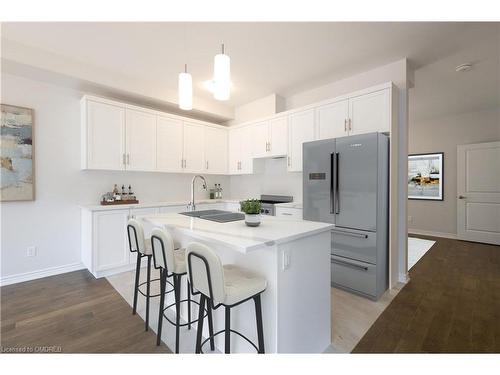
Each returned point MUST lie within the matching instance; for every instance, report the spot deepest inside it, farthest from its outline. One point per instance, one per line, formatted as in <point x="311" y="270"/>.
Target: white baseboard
<point x="27" y="276"/>
<point x="432" y="234"/>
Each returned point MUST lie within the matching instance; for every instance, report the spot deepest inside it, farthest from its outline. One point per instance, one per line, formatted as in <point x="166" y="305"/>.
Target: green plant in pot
<point x="251" y="208"/>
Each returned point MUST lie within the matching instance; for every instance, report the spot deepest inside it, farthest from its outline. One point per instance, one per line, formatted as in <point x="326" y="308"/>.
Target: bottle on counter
<point x="212" y="193"/>
<point x="220" y="192"/>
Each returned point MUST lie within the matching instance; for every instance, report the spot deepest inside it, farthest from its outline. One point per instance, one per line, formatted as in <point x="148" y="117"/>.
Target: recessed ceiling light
<point x="463" y="67"/>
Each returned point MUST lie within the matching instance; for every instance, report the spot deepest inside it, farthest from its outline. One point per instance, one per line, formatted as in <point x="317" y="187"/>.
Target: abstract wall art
<point x="17" y="182"/>
<point x="425" y="176"/>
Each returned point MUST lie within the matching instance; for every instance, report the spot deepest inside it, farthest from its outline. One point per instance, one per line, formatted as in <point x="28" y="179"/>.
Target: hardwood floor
<point x="71" y="313"/>
<point x="450" y="305"/>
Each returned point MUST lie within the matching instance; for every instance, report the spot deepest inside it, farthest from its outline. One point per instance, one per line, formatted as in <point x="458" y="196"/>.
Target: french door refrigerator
<point x="345" y="182"/>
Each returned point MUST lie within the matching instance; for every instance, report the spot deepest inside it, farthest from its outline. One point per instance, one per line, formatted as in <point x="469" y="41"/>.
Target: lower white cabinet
<point x="104" y="240"/>
<point x="109" y="242"/>
<point x="289" y="213"/>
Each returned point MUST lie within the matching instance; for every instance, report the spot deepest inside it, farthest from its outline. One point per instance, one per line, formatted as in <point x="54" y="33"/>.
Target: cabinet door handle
<point x="207" y="164"/>
<point x="182" y="163"/>
<point x="350" y="124"/>
<point x="289" y="161"/>
<point x="286" y="213"/>
<point x="269" y="147"/>
<point x="345" y="125"/>
<point x="128" y="159"/>
<point x="124" y="160"/>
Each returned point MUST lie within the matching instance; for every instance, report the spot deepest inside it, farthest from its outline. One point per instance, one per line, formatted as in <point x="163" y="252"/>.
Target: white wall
<point x="444" y="134"/>
<point x="52" y="221"/>
<point x="271" y="178"/>
<point x="395" y="72"/>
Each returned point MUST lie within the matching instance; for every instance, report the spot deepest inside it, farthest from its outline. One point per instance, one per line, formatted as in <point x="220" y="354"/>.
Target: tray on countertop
<point x="116" y="203"/>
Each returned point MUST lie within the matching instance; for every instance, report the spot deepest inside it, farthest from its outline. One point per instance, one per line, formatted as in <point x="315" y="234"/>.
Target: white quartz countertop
<point x="98" y="207"/>
<point x="272" y="230"/>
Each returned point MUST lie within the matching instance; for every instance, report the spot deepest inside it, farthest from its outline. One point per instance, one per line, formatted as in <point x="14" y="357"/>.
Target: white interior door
<point x="169" y="145"/>
<point x="478" y="192"/>
<point x="141" y="140"/>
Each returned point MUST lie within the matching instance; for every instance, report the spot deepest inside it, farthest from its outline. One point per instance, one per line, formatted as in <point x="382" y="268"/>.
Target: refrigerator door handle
<point x="332" y="183"/>
<point x="337" y="198"/>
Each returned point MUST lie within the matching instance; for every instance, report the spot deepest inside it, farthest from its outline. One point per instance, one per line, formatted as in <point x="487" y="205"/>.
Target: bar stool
<point x="173" y="263"/>
<point x="137" y="243"/>
<point x="227" y="286"/>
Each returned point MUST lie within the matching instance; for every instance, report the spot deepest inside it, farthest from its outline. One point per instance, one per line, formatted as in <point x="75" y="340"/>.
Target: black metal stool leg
<point x="177" y="292"/>
<point x="199" y="328"/>
<point x="136" y="288"/>
<point x="163" y="285"/>
<point x="227" y="331"/>
<point x="189" y="303"/>
<point x="260" y="329"/>
<point x="148" y="288"/>
<point x="210" y="325"/>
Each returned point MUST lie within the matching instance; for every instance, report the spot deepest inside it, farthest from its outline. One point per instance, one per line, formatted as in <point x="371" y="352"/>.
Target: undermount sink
<point x="204" y="213"/>
<point x="218" y="216"/>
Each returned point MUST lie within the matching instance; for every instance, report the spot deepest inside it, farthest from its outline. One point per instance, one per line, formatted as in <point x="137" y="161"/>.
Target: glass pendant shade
<point x="222" y="77"/>
<point x="185" y="91"/>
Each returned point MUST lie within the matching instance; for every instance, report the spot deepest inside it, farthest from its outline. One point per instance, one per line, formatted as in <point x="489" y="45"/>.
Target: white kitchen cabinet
<point x="300" y="130"/>
<point x="193" y="147"/>
<point x="109" y="240"/>
<point x="140" y="140"/>
<point x="169" y="145"/>
<point x="289" y="213"/>
<point x="215" y="150"/>
<point x="278" y="142"/>
<point x="241" y="150"/>
<point x="270" y="138"/>
<point x="261" y="139"/>
<point x="370" y="112"/>
<point x="103" y="135"/>
<point x="333" y="120"/>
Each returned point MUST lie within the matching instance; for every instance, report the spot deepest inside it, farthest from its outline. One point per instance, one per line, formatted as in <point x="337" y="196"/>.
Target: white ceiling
<point x="283" y="58"/>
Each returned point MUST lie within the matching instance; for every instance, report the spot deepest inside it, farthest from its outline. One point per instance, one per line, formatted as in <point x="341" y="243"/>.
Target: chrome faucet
<point x="191" y="206"/>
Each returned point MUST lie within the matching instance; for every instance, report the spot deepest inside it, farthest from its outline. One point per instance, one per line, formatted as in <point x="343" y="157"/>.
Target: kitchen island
<point x="294" y="257"/>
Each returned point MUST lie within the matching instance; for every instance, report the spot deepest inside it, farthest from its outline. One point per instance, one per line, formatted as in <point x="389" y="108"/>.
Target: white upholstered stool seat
<point x="241" y="284"/>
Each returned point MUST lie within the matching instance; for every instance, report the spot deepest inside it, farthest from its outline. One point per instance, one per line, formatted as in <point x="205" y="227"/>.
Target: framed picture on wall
<point x="425" y="176"/>
<point x="17" y="157"/>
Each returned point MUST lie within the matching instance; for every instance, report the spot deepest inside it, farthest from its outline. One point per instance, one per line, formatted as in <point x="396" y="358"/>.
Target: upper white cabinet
<point x="370" y="112"/>
<point x="216" y="150"/>
<point x="118" y="136"/>
<point x="300" y="130"/>
<point x="241" y="150"/>
<point x="261" y="139"/>
<point x="194" y="146"/>
<point x="278" y="142"/>
<point x="270" y="138"/>
<point x="169" y="145"/>
<point x="140" y="140"/>
<point x="103" y="136"/>
<point x="333" y="119"/>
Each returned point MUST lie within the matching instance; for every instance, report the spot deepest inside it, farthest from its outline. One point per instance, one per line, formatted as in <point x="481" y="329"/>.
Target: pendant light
<point x="185" y="90"/>
<point x="222" y="76"/>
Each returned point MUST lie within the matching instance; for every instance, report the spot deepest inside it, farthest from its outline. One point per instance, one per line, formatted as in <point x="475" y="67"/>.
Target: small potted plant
<point x="251" y="208"/>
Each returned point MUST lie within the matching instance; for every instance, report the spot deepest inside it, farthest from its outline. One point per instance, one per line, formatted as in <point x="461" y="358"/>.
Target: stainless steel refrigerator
<point x="346" y="183"/>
